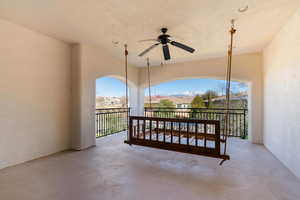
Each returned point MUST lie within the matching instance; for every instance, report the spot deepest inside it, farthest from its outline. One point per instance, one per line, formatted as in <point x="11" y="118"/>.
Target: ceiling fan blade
<point x="182" y="46"/>
<point x="149" y="49"/>
<point x="166" y="52"/>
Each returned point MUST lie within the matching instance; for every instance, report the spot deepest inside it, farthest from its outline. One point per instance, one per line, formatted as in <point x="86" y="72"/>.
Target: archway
<point x="202" y="99"/>
<point x="110" y="104"/>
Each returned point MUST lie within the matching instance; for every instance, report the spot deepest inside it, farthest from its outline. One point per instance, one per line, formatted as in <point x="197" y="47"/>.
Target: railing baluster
<point x="171" y="132"/>
<point x="144" y="129"/>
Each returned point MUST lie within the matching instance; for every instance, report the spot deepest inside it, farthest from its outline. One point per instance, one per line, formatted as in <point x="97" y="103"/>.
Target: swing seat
<point x="201" y="137"/>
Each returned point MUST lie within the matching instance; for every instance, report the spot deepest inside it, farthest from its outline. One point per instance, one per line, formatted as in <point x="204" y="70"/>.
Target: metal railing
<point x="111" y="120"/>
<point x="238" y="118"/>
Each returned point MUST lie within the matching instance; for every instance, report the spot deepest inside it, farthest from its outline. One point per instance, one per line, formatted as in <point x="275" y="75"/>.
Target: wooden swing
<point x="201" y="137"/>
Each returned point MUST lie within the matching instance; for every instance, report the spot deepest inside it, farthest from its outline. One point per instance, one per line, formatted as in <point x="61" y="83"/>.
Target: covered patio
<point x="52" y="52"/>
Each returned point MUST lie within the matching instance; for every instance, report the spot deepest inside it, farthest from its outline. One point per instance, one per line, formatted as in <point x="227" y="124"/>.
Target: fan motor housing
<point x="164" y="38"/>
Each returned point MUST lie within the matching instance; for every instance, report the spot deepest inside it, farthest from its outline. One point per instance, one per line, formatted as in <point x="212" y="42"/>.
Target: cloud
<point x="187" y="93"/>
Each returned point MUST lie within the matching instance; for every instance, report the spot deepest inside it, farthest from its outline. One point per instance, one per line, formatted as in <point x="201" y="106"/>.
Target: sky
<point x="112" y="87"/>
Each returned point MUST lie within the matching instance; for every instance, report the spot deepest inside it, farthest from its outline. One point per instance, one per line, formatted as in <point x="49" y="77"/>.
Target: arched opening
<point x="111" y="107"/>
<point x="202" y="99"/>
<point x="110" y="93"/>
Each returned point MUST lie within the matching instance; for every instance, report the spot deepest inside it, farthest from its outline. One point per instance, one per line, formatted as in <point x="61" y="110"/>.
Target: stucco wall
<point x="34" y="95"/>
<point x="90" y="63"/>
<point x="282" y="95"/>
<point x="245" y="67"/>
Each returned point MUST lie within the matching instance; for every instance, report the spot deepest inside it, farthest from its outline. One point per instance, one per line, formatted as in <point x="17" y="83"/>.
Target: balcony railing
<point x="238" y="122"/>
<point x="110" y="121"/>
<point x="114" y="120"/>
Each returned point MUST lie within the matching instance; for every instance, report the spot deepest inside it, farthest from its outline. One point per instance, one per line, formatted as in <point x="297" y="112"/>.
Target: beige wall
<point x="90" y="63"/>
<point x="246" y="67"/>
<point x="282" y="95"/>
<point x="34" y="95"/>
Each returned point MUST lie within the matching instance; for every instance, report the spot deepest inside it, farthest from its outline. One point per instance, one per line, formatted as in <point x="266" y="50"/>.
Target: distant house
<point x="183" y="105"/>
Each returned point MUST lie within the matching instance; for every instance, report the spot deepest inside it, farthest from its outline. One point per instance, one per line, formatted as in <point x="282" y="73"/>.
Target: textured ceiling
<point x="202" y="24"/>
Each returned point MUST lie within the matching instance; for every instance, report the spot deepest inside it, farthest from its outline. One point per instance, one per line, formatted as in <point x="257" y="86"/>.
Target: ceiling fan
<point x="164" y="40"/>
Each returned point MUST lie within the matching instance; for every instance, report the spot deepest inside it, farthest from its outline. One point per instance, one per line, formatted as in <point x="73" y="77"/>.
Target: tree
<point x="197" y="102"/>
<point x="166" y="103"/>
<point x="209" y="95"/>
<point x="166" y="108"/>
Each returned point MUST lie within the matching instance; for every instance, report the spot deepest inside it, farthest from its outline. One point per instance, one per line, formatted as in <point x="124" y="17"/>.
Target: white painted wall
<point x="90" y="63"/>
<point x="245" y="67"/>
<point x="282" y="95"/>
<point x="34" y="95"/>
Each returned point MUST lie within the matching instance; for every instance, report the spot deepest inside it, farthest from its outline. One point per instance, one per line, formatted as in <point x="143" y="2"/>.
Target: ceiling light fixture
<point x="115" y="42"/>
<point x="243" y="9"/>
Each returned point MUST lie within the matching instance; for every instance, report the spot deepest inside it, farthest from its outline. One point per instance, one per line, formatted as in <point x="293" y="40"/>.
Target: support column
<point x="136" y="101"/>
<point x="83" y="104"/>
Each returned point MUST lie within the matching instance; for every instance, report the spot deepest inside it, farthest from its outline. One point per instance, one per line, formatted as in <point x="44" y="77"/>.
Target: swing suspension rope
<point x="126" y="98"/>
<point x="228" y="81"/>
<point x="126" y="75"/>
<point x="149" y="83"/>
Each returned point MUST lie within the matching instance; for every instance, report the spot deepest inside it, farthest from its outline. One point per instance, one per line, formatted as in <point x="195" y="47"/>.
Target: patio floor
<point x="114" y="170"/>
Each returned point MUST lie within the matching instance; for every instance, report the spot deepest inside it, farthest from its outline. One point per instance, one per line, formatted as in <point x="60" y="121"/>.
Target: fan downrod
<point x="164" y="30"/>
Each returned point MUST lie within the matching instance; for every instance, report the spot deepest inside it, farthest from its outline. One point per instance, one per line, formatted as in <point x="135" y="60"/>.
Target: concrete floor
<point x="114" y="170"/>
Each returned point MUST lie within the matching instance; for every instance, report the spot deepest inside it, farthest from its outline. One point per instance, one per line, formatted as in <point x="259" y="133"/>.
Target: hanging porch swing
<point x="188" y="135"/>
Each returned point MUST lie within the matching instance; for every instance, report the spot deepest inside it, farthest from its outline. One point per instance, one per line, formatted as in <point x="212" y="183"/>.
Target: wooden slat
<point x="171" y="132"/>
<point x="205" y="133"/>
<point x="157" y="129"/>
<point x="150" y="127"/>
<point x="144" y="129"/>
